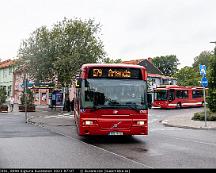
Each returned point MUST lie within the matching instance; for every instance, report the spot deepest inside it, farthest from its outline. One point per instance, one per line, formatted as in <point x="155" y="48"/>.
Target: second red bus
<point x="177" y="97"/>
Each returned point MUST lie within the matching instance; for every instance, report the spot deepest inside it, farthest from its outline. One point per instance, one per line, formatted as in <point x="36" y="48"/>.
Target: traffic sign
<point x="204" y="82"/>
<point x="202" y="70"/>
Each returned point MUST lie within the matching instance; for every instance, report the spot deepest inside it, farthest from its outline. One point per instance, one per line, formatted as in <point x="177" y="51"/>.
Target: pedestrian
<point x="68" y="104"/>
<point x="53" y="100"/>
<point x="11" y="103"/>
<point x="72" y="105"/>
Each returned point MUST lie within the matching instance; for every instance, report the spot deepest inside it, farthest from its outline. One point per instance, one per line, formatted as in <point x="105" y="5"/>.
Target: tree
<point x="60" y="51"/>
<point x="211" y="99"/>
<point x="166" y="64"/>
<point x="203" y="58"/>
<point x="109" y="60"/>
<point x="187" y="76"/>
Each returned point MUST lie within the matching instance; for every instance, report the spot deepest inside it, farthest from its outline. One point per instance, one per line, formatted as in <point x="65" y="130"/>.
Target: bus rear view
<point x="111" y="99"/>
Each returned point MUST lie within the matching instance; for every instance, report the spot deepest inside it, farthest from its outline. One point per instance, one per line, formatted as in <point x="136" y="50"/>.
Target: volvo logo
<point x="116" y="125"/>
<point x="115" y="112"/>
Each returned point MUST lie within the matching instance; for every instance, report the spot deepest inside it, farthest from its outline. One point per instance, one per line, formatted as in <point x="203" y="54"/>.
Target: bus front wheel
<point x="178" y="106"/>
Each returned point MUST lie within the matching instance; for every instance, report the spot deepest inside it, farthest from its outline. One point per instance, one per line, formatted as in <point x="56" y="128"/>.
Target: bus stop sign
<point x="202" y="70"/>
<point x="204" y="82"/>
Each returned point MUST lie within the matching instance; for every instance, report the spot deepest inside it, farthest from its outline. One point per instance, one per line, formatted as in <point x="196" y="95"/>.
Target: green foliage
<point x="203" y="58"/>
<point x="111" y="61"/>
<point x="29" y="97"/>
<point x="3" y="96"/>
<point x="187" y="76"/>
<point x="200" y="116"/>
<point x="212" y="84"/>
<point x="166" y="64"/>
<point x="60" y="51"/>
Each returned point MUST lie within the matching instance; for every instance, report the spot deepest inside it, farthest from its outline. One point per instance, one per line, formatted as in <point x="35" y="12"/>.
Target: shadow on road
<point x="110" y="140"/>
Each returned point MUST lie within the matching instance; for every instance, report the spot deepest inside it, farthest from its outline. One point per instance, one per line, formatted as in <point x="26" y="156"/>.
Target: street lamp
<point x="25" y="89"/>
<point x="25" y="94"/>
<point x="215" y="45"/>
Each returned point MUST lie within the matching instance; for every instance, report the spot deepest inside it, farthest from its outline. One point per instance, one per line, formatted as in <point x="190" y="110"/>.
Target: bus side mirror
<point x="78" y="82"/>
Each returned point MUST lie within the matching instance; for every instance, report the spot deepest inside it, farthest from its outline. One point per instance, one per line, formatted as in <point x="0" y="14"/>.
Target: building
<point x="6" y="76"/>
<point x="42" y="91"/>
<point x="12" y="79"/>
<point x="155" y="76"/>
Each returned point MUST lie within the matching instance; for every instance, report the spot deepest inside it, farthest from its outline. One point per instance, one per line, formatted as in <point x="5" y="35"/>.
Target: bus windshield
<point x="160" y="95"/>
<point x="114" y="93"/>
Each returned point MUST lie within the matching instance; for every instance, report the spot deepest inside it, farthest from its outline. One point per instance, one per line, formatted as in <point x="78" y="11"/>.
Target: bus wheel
<point x="178" y="106"/>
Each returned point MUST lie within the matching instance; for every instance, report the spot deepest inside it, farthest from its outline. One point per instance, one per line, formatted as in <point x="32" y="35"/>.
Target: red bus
<point x="172" y="96"/>
<point x="111" y="99"/>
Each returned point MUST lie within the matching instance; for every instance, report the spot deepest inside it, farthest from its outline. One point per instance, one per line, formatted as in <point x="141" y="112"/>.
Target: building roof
<point x="152" y="70"/>
<point x="147" y="63"/>
<point x="7" y="63"/>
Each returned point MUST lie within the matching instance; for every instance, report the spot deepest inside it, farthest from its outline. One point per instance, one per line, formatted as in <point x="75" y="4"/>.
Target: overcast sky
<point x="130" y="29"/>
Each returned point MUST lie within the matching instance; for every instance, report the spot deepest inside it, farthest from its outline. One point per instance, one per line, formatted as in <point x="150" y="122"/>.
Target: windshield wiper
<point x="99" y="107"/>
<point x="113" y="102"/>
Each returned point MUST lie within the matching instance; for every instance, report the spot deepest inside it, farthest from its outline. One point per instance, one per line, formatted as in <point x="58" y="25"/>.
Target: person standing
<point x="11" y="103"/>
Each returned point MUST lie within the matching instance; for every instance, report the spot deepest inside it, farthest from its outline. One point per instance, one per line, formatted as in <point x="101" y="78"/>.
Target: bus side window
<point x="185" y="94"/>
<point x="179" y="94"/>
<point x="172" y="95"/>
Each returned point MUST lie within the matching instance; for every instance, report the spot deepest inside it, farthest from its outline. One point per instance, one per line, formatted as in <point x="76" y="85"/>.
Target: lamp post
<point x="215" y="48"/>
<point x="25" y="94"/>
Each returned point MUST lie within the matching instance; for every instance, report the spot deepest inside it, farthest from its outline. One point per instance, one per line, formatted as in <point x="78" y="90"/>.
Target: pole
<point x="25" y="89"/>
<point x="204" y="95"/>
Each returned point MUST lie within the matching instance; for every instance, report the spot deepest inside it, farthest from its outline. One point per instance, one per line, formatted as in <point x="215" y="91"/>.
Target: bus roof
<point x="166" y="87"/>
<point x="112" y="65"/>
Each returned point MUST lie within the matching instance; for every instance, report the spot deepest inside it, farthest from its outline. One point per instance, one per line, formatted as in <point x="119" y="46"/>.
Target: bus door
<point x="77" y="100"/>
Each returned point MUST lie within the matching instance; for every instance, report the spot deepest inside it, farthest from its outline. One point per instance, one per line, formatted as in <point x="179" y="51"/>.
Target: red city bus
<point x="173" y="96"/>
<point x="111" y="99"/>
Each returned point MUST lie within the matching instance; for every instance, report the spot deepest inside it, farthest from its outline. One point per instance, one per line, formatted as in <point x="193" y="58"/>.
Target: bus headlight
<point x="141" y="123"/>
<point x="88" y="122"/>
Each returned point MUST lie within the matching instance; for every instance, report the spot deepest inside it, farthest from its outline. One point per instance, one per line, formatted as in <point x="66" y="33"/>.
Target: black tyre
<point x="178" y="106"/>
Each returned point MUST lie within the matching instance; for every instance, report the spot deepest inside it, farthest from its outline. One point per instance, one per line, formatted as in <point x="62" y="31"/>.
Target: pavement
<point x="185" y="121"/>
<point x="45" y="116"/>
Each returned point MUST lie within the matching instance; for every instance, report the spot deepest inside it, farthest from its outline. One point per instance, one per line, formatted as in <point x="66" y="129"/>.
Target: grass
<point x="200" y="116"/>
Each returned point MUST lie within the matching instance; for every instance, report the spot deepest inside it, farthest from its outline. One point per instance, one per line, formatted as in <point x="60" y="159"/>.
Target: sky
<point x="130" y="29"/>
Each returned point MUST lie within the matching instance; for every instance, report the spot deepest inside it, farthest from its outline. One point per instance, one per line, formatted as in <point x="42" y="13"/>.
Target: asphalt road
<point x="29" y="146"/>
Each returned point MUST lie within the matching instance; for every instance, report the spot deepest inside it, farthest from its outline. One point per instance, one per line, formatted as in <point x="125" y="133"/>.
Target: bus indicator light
<point x="87" y="123"/>
<point x="141" y="123"/>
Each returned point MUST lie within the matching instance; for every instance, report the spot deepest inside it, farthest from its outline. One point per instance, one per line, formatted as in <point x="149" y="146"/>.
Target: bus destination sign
<point x="105" y="72"/>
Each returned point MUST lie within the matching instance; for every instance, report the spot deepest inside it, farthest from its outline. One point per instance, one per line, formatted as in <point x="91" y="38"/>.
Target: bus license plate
<point x="116" y="133"/>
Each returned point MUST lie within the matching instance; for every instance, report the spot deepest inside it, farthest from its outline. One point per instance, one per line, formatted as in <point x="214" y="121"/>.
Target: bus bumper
<point x="96" y="130"/>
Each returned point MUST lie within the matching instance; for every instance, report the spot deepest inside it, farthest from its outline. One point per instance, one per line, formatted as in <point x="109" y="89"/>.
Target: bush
<point x="29" y="97"/>
<point x="3" y="96"/>
<point x="200" y="116"/>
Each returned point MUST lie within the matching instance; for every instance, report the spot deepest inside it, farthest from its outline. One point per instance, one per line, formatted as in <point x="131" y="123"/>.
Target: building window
<point x="10" y="70"/>
<point x="4" y="73"/>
